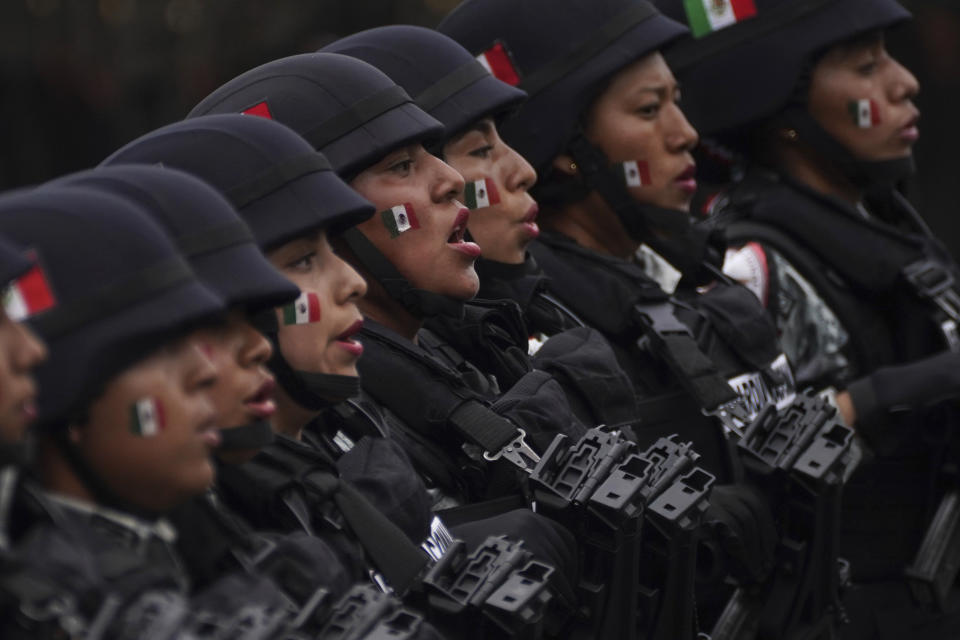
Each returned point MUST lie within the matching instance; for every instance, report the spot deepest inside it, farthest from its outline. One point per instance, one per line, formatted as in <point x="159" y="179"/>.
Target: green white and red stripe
<point x="498" y="62"/>
<point x="864" y="113"/>
<point x="480" y="193"/>
<point x="707" y="16"/>
<point x="27" y="295"/>
<point x="303" y="310"/>
<point x="399" y="219"/>
<point x="147" y="418"/>
<point x="636" y="173"/>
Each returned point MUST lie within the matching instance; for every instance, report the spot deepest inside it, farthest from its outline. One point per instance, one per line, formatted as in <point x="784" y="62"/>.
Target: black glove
<point x="739" y="527"/>
<point x="548" y="541"/>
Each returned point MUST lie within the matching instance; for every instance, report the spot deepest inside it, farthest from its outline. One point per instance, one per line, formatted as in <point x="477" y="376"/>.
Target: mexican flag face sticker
<point x="147" y="418"/>
<point x="636" y="173"/>
<point x="29" y="294"/>
<point x="498" y="62"/>
<point x="480" y="193"/>
<point x="399" y="219"/>
<point x="707" y="16"/>
<point x="864" y="113"/>
<point x="303" y="310"/>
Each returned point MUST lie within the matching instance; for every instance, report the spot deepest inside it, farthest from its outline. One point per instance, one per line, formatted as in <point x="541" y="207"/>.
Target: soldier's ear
<point x="565" y="164"/>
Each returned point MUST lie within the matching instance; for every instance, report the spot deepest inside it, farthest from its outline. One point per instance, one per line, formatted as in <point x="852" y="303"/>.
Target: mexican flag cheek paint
<point x="303" y="310"/>
<point x="147" y="418"/>
<point x="399" y="219"/>
<point x="480" y="194"/>
<point x="864" y="113"/>
<point x="636" y="173"/>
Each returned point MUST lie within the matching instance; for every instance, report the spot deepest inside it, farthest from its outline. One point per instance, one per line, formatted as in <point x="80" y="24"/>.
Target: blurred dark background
<point x="82" y="77"/>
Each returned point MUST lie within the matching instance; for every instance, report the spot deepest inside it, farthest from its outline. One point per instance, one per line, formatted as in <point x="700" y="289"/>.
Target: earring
<point x="573" y="167"/>
<point x="789" y="134"/>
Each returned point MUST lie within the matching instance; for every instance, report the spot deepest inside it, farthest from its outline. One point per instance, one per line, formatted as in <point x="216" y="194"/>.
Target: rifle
<point x="603" y="491"/>
<point x="799" y="456"/>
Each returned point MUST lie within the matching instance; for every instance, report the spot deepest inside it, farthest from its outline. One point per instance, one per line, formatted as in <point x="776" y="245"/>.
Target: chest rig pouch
<point x="434" y="400"/>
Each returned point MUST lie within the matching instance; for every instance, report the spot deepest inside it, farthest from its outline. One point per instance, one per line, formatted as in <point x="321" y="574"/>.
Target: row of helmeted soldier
<point x="434" y="333"/>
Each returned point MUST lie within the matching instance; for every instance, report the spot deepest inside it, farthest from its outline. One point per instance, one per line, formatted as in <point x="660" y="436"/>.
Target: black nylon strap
<point x="457" y="80"/>
<point x="108" y="300"/>
<point x="395" y="556"/>
<point x="482" y="426"/>
<point x="398" y="559"/>
<point x="376" y="263"/>
<point x="214" y="239"/>
<point x="697" y="373"/>
<point x="275" y="177"/>
<point x="539" y="80"/>
<point x="355" y="116"/>
<point x="691" y="51"/>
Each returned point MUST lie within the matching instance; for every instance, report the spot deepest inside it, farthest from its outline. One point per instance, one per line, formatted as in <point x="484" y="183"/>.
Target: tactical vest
<point x="707" y="344"/>
<point x="893" y="287"/>
<point x="492" y="336"/>
<point x="453" y="420"/>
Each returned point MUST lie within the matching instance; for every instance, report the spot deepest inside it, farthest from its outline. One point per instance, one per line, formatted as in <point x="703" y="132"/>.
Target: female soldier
<point x="270" y="172"/>
<point x="859" y="289"/>
<point x="213" y="540"/>
<point x="125" y="425"/>
<point x="457" y="90"/>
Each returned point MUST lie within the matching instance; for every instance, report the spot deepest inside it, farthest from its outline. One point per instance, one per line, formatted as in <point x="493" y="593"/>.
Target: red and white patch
<point x="29" y="294"/>
<point x="748" y="266"/>
<point x="261" y="109"/>
<point x="499" y="63"/>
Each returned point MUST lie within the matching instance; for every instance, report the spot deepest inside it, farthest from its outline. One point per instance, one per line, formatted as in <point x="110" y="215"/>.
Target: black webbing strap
<point x="398" y="559"/>
<point x="276" y="177"/>
<point x="672" y="341"/>
<point x="542" y="78"/>
<point x="214" y="239"/>
<point x="394" y="555"/>
<point x="767" y="21"/>
<point x="481" y="426"/>
<point x="376" y="263"/>
<point x="108" y="300"/>
<point x="455" y="81"/>
<point x="355" y="116"/>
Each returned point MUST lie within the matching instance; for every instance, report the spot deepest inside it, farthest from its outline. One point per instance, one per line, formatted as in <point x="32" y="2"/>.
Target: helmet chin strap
<point x="865" y="174"/>
<point x="253" y="435"/>
<point x="670" y="232"/>
<point x="418" y="302"/>
<point x="313" y="391"/>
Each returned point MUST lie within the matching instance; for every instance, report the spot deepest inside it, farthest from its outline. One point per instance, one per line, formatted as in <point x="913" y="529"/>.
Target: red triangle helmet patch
<point x="261" y="109"/>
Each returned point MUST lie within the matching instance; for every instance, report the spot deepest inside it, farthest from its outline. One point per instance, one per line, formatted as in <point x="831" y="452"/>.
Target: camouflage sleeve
<point x="810" y="332"/>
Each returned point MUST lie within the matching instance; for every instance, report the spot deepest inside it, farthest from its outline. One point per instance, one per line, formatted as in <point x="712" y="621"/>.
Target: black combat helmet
<point x="354" y="114"/>
<point x="215" y="240"/>
<point x="281" y="187"/>
<point x="115" y="289"/>
<point x="748" y="67"/>
<point x="562" y="56"/>
<point x="347" y="109"/>
<point x="739" y="70"/>
<point x="444" y="79"/>
<point x="117" y="281"/>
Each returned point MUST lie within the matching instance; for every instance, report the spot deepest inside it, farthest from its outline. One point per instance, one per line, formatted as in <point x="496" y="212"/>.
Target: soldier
<point x="214" y="540"/>
<point x="125" y="426"/>
<point x="291" y="201"/>
<point x="456" y="89"/>
<point x="612" y="148"/>
<point x="20" y="352"/>
<point x="823" y="120"/>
